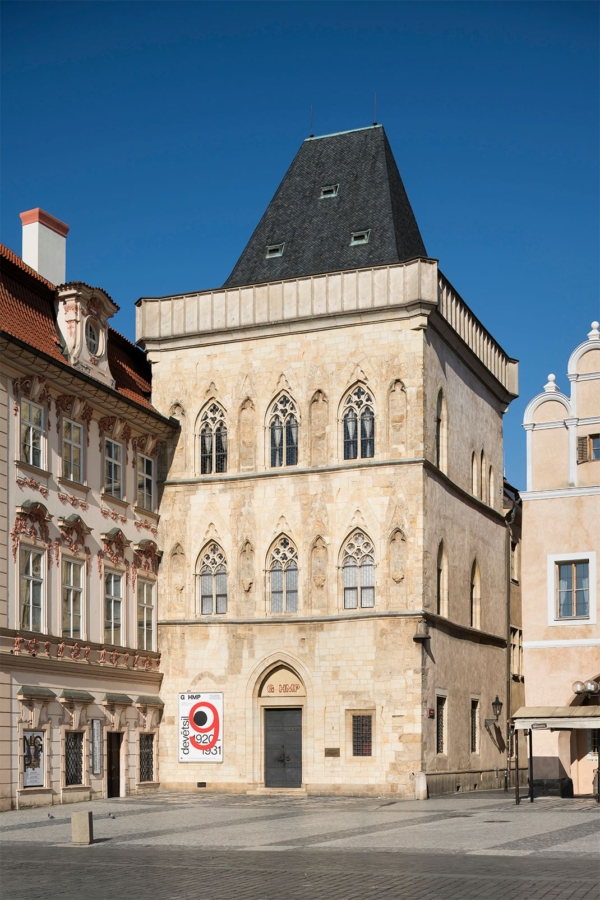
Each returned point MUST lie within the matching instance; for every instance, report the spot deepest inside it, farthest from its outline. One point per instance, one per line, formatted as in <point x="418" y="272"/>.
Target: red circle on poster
<point x="204" y="729"/>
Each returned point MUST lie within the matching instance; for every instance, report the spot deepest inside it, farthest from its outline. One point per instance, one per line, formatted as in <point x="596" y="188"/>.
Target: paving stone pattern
<point x="215" y="847"/>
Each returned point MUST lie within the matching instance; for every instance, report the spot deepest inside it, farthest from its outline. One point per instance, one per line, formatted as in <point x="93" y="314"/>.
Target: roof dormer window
<point x="91" y="337"/>
<point x="329" y="190"/>
<point x="274" y="250"/>
<point x="360" y="237"/>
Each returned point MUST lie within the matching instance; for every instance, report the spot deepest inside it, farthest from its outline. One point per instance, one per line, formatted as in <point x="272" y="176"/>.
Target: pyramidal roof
<point x="340" y="206"/>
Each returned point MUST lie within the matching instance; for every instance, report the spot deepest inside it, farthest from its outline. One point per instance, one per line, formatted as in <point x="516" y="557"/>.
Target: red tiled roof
<point x="27" y="313"/>
<point x="27" y="305"/>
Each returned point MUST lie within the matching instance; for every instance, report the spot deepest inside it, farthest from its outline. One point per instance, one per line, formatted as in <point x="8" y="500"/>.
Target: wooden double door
<point x="283" y="748"/>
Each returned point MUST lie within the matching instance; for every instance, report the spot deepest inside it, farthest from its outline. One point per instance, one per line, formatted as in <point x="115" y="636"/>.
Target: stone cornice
<point x="439" y="623"/>
<point x="66" y="668"/>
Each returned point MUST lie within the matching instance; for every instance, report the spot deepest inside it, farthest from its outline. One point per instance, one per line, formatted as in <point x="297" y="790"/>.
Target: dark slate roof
<point x="316" y="232"/>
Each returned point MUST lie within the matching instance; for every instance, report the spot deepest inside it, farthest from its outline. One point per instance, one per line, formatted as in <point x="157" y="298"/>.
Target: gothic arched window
<point x="359" y="424"/>
<point x="213" y="440"/>
<point x="441" y="432"/>
<point x="358" y="569"/>
<point x="212" y="578"/>
<point x="283" y="428"/>
<point x="442" y="582"/>
<point x="475" y="596"/>
<point x="283" y="569"/>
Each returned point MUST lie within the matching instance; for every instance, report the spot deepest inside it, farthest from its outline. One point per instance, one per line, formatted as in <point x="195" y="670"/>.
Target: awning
<point x="563" y="717"/>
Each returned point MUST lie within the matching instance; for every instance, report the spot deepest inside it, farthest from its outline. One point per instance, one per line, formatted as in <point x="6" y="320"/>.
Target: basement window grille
<point x="329" y="190"/>
<point x="274" y="250"/>
<point x="362" y="735"/>
<point x="74" y="757"/>
<point x="146" y="757"/>
<point x="440" y="736"/>
<point x="360" y="237"/>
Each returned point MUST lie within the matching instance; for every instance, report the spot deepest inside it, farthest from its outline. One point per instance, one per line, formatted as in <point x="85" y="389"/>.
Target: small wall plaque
<point x="332" y="751"/>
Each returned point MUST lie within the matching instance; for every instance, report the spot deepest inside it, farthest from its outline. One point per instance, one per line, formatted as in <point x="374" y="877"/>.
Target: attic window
<point x="274" y="250"/>
<point x="360" y="237"/>
<point x="329" y="190"/>
<point x="91" y="337"/>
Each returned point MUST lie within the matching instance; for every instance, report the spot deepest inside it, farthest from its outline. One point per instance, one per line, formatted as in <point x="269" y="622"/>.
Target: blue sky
<point x="159" y="132"/>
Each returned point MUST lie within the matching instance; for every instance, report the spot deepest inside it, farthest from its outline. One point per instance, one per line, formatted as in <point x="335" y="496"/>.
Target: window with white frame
<point x="113" y="603"/>
<point x="72" y="598"/>
<point x="283" y="570"/>
<point x="145" y="486"/>
<point x="358" y="571"/>
<point x="593" y="742"/>
<point x="113" y="469"/>
<point x="31" y="588"/>
<point x="359" y="424"/>
<point x="72" y="451"/>
<point x="145" y="615"/>
<point x="213" y="440"/>
<point x="32" y="430"/>
<point x="283" y="429"/>
<point x="572" y="588"/>
<point x="212" y="577"/>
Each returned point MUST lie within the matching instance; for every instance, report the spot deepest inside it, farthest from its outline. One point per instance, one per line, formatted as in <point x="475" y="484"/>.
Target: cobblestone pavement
<point x="216" y="847"/>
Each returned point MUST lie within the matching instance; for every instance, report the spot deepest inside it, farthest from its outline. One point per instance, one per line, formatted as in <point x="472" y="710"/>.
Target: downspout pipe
<point x="508" y="522"/>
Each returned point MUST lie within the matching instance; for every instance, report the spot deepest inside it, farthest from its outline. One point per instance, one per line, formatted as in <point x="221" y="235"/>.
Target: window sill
<point x="140" y="511"/>
<point x="124" y="504"/>
<point x="141" y="784"/>
<point x="43" y="473"/>
<point x="74" y="485"/>
<point x="75" y="787"/>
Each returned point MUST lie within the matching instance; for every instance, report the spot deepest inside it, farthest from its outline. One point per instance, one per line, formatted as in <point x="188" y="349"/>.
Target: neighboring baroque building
<point x="79" y="670"/>
<point x="335" y="569"/>
<point x="560" y="579"/>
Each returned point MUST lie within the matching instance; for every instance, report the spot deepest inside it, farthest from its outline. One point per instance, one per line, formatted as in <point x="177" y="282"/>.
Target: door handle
<point x="287" y="759"/>
<point x="281" y="758"/>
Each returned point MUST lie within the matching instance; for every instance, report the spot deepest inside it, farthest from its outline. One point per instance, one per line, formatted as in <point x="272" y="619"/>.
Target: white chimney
<point x="45" y="244"/>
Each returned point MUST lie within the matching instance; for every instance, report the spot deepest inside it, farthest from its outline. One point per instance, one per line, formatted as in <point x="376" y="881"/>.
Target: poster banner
<point x="96" y="747"/>
<point x="201" y="727"/>
<point x="33" y="759"/>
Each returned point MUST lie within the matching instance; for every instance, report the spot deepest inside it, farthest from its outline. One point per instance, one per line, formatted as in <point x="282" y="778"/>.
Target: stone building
<point x="79" y="671"/>
<point x="333" y="592"/>
<point x="561" y="527"/>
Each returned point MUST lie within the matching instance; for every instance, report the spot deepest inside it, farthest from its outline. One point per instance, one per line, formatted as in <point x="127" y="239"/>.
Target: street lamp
<point x="496" y="709"/>
<point x="588" y="687"/>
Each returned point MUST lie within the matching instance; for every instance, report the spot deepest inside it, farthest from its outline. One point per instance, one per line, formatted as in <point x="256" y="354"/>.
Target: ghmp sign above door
<point x="201" y="727"/>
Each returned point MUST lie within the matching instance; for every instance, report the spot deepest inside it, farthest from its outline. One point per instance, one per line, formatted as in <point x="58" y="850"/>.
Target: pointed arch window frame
<point x="212" y="439"/>
<point x="211" y="580"/>
<point x="283" y="576"/>
<point x="358" y="571"/>
<point x="475" y="595"/>
<point x="358" y="423"/>
<point x="284" y="431"/>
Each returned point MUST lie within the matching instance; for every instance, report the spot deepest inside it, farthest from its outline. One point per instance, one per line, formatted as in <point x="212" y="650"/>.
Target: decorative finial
<point x="551" y="386"/>
<point x="594" y="334"/>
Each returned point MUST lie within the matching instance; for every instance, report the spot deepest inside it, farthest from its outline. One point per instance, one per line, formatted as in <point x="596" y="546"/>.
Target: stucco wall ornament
<point x="18" y="643"/>
<point x="144" y="523"/>
<point x="33" y="484"/>
<point x="73" y="500"/>
<point x="60" y="651"/>
<point x="73" y="532"/>
<point x="74" y="408"/>
<point x="115" y="543"/>
<point x="112" y="514"/>
<point x="35" y="388"/>
<point x="32" y="646"/>
<point x="247" y="566"/>
<point x="118" y="429"/>
<point x="75" y="651"/>
<point x="319" y="563"/>
<point x="147" y="444"/>
<point x="30" y="517"/>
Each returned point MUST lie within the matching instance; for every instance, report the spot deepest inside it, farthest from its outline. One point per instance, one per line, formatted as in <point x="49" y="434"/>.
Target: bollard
<point x="421" y="786"/>
<point x="82" y="828"/>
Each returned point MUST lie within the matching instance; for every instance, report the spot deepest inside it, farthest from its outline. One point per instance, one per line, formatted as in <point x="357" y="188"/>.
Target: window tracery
<point x="283" y="566"/>
<point x="212" y="577"/>
<point x="359" y="424"/>
<point x="213" y="440"/>
<point x="283" y="428"/>
<point x="358" y="568"/>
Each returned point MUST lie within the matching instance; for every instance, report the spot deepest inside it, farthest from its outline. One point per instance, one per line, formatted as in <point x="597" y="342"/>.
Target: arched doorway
<point x="584" y="746"/>
<point x="281" y="699"/>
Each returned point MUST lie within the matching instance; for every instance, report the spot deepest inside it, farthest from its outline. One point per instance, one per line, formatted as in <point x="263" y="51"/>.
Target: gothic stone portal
<point x="283" y="748"/>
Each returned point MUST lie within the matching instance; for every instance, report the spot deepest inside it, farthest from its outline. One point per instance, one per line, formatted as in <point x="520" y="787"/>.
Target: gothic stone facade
<point x="367" y="593"/>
